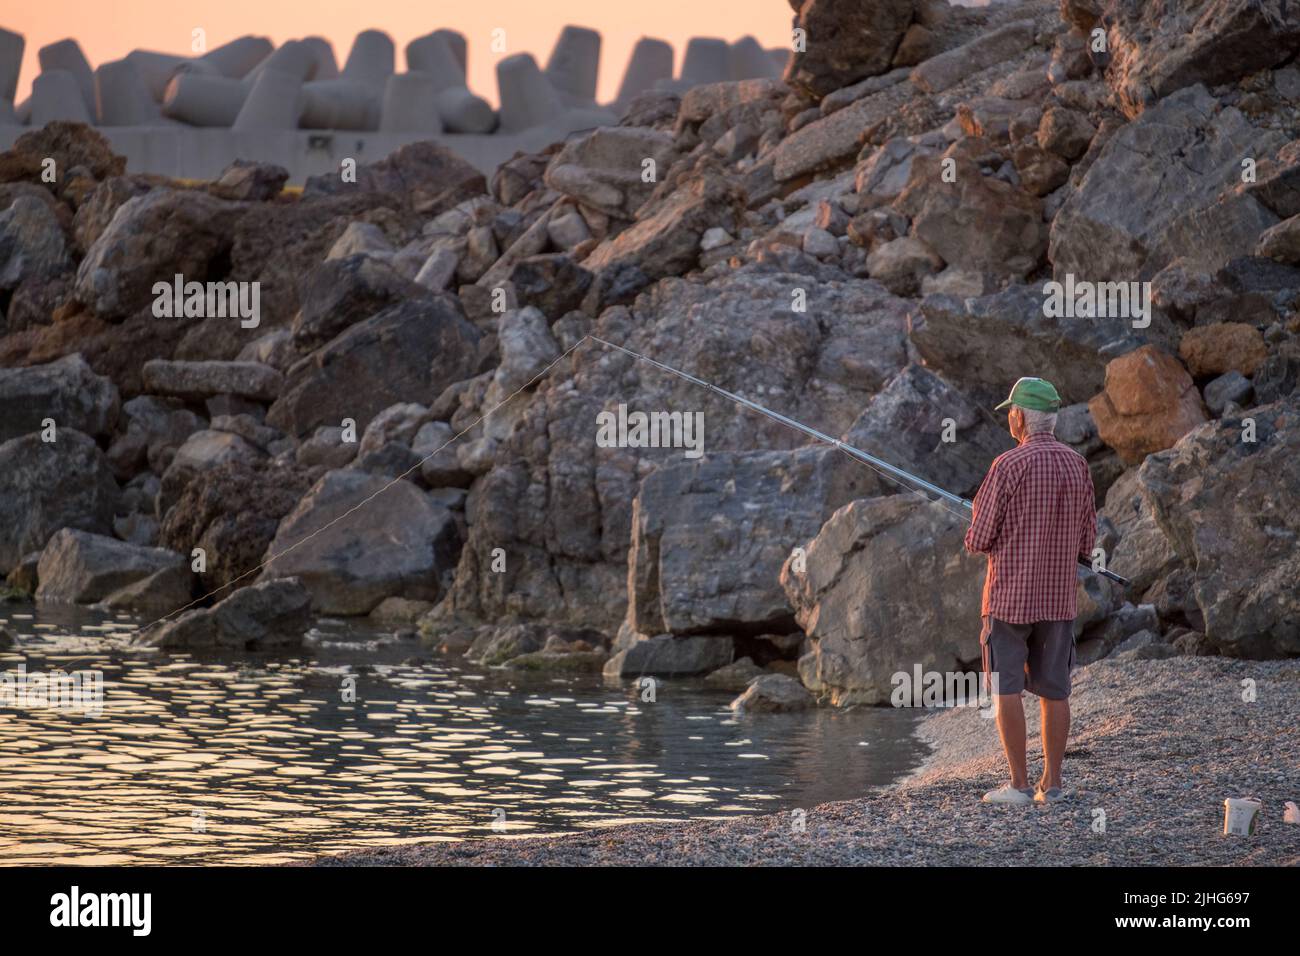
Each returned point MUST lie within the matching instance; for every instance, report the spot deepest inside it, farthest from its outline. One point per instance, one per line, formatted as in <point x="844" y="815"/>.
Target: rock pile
<point x="415" y="423"/>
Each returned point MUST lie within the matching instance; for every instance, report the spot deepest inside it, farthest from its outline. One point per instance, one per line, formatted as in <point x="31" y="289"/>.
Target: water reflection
<point x="263" y="759"/>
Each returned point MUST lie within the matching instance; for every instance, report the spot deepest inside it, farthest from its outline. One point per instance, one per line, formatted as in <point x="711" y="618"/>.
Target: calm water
<point x="242" y="759"/>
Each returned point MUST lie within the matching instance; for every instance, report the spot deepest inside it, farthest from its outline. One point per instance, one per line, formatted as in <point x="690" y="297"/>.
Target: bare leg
<point x="1056" y="731"/>
<point x="1011" y="728"/>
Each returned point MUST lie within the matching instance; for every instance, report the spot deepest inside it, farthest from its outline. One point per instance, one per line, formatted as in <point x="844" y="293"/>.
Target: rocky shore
<point x="379" y="395"/>
<point x="1156" y="747"/>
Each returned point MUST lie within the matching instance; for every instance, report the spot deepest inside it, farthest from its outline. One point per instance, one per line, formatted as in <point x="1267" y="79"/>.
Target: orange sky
<point x="109" y="29"/>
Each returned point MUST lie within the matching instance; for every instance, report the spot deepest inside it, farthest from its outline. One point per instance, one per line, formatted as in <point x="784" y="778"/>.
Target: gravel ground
<point x="1156" y="746"/>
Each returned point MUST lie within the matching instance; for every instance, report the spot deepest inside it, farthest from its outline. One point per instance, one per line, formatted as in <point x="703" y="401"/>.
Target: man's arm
<point x="986" y="514"/>
<point x="1088" y="527"/>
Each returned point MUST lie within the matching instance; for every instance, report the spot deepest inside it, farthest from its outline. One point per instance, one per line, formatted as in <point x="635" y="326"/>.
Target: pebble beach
<point x="1156" y="746"/>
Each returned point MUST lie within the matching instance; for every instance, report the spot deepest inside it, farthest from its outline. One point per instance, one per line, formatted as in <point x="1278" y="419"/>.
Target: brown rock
<point x="1281" y="242"/>
<point x="1065" y="132"/>
<point x="1149" y="402"/>
<point x="847" y="40"/>
<point x="1223" y="347"/>
<point x="68" y="144"/>
<point x="977" y="222"/>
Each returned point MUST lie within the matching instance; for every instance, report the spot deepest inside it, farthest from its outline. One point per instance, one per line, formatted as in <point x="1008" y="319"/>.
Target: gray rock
<point x="560" y="506"/>
<point x="887" y="586"/>
<point x="48" y="486"/>
<point x="343" y="291"/>
<point x="398" y="546"/>
<point x="735" y="676"/>
<point x="951" y="67"/>
<point x="1126" y="221"/>
<point x="327" y="448"/>
<point x="1155" y="50"/>
<point x="65" y="390"/>
<point x="1226" y="506"/>
<point x="412" y="350"/>
<point x="667" y="655"/>
<point x="922" y="424"/>
<point x="265" y="615"/>
<point x="709" y="536"/>
<point x="32" y="244"/>
<point x="979" y="222"/>
<point x="439" y="468"/>
<point x="603" y="169"/>
<point x="665" y="239"/>
<point x="1228" y="387"/>
<point x="83" y="568"/>
<point x="199" y="380"/>
<point x="152" y="238"/>
<point x="986" y="343"/>
<point x="772" y="694"/>
<point x="155" y="428"/>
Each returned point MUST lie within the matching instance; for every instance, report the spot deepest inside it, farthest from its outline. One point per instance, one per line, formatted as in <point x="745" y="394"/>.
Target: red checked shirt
<point x="1034" y="516"/>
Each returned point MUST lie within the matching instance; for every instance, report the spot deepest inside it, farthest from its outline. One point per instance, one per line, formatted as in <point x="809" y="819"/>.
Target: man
<point x="1034" y="516"/>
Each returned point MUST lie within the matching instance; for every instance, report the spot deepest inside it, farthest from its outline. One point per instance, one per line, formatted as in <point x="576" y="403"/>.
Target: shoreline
<point x="1155" y="748"/>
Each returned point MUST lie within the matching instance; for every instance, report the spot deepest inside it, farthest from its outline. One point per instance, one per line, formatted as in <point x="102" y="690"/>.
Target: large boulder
<point x="985" y="343"/>
<point x="84" y="568"/>
<point x="978" y="223"/>
<point x="1225" y="497"/>
<point x="836" y="139"/>
<point x="846" y="40"/>
<point x="559" y="505"/>
<point x="1157" y="48"/>
<point x="152" y="238"/>
<point x="356" y="538"/>
<point x="949" y="68"/>
<point x="66" y="390"/>
<point x="1149" y="402"/>
<point x="232" y="512"/>
<point x="604" y="169"/>
<point x="1128" y="218"/>
<point x="32" y="244"/>
<point x="46" y="486"/>
<point x="269" y="614"/>
<point x="341" y="292"/>
<point x="887" y="585"/>
<point x="409" y="352"/>
<point x="665" y="239"/>
<point x="709" y="536"/>
<point x="923" y="425"/>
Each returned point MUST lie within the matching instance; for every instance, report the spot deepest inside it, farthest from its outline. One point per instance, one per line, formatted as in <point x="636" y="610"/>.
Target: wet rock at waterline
<point x="266" y="615"/>
<point x="404" y="547"/>
<point x="83" y="568"/>
<point x="856" y="601"/>
<point x="709" y="537"/>
<point x="48" y="486"/>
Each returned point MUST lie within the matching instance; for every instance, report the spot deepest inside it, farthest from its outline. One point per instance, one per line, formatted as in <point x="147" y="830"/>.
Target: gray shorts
<point x="1037" y="657"/>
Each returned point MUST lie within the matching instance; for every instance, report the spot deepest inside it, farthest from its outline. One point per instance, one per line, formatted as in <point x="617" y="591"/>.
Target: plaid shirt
<point x="1034" y="516"/>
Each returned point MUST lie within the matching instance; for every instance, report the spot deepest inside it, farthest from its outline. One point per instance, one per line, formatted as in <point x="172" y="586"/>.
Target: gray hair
<point x="1037" y="423"/>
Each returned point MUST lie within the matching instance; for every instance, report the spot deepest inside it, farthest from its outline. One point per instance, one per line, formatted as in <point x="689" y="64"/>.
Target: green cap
<point x="1035" y="393"/>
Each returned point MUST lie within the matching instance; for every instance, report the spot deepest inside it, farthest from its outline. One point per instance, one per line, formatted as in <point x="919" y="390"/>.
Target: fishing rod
<point x="894" y="471"/>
